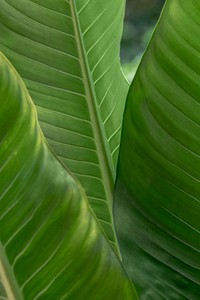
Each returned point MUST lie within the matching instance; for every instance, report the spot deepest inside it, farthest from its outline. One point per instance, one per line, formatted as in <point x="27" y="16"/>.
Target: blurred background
<point x="140" y="20"/>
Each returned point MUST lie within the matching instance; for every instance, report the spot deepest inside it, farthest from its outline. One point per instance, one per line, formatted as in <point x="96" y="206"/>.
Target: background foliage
<point x="140" y="20"/>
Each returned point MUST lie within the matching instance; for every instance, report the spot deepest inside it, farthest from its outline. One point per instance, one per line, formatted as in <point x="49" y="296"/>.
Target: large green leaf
<point x="158" y="188"/>
<point x="67" y="52"/>
<point x="51" y="246"/>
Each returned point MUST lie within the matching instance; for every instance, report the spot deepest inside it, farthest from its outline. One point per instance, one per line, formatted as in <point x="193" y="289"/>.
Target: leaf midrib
<point x="8" y="278"/>
<point x="102" y="149"/>
<point x="106" y="166"/>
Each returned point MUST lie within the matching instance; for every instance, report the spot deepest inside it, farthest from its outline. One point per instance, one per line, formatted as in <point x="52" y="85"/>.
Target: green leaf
<point x="157" y="205"/>
<point x="51" y="246"/>
<point x="67" y="53"/>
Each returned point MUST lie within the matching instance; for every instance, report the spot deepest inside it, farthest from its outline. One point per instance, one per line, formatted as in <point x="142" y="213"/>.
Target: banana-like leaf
<point x="67" y="52"/>
<point x="51" y="246"/>
<point x="157" y="205"/>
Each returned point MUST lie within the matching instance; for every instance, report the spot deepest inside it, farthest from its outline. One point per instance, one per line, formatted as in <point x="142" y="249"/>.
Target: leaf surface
<point x="157" y="204"/>
<point x="67" y="53"/>
<point x="51" y="246"/>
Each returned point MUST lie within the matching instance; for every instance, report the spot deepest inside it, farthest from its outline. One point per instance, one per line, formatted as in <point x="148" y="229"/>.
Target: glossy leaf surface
<point x="157" y="205"/>
<point x="51" y="246"/>
<point x="67" y="53"/>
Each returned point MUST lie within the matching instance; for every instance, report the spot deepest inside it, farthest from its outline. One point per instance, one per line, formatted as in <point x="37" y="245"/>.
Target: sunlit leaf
<point x="51" y="246"/>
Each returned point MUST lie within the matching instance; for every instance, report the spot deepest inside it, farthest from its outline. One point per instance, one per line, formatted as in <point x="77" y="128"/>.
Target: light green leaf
<point x="158" y="188"/>
<point x="51" y="246"/>
<point x="67" y="52"/>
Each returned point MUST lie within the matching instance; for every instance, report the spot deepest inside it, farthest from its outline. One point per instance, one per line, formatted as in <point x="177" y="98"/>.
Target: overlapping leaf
<point x="158" y="188"/>
<point x="67" y="52"/>
<point x="51" y="246"/>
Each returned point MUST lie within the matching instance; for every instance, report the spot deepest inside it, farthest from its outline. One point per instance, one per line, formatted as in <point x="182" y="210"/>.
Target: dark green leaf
<point x="157" y="205"/>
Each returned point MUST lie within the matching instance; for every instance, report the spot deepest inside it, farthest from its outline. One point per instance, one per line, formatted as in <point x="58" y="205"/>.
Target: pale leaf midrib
<point x="8" y="278"/>
<point x="106" y="165"/>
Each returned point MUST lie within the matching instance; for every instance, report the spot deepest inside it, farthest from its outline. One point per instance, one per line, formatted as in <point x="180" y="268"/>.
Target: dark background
<point x="140" y="20"/>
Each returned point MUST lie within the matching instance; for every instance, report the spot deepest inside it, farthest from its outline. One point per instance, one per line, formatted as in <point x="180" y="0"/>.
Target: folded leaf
<point x="51" y="246"/>
<point x="67" y="52"/>
<point x="157" y="205"/>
